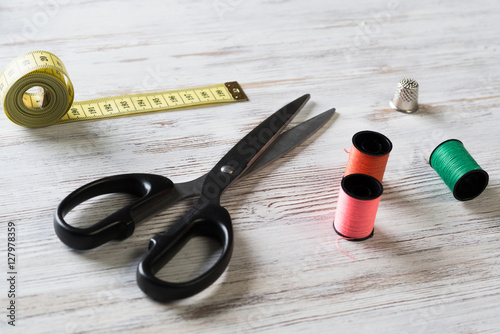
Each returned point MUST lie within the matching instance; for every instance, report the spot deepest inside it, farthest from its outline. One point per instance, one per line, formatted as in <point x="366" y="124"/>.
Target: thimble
<point x="406" y="96"/>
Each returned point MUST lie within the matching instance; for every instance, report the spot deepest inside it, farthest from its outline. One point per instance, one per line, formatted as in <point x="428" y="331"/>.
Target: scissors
<point x="205" y="218"/>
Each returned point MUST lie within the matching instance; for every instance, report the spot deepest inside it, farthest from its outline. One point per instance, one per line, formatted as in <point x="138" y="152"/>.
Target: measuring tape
<point x="36" y="91"/>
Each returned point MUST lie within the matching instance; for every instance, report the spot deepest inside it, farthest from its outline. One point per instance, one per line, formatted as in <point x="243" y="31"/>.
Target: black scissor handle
<point x="211" y="221"/>
<point x="154" y="192"/>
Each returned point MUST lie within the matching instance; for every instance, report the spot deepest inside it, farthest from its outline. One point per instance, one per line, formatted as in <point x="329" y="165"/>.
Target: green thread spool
<point x="459" y="170"/>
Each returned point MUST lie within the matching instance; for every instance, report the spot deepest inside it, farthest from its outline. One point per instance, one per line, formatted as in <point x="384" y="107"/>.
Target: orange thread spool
<point x="369" y="154"/>
<point x="357" y="206"/>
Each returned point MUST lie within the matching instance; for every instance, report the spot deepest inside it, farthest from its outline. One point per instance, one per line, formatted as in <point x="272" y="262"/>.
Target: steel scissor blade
<point x="285" y="142"/>
<point x="247" y="151"/>
<point x="290" y="139"/>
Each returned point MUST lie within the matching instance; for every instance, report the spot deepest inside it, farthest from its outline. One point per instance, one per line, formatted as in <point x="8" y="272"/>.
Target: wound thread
<point x="357" y="206"/>
<point x="458" y="169"/>
<point x="369" y="154"/>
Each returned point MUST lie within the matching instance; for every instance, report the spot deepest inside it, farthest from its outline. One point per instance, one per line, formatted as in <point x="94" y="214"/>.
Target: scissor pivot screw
<point x="227" y="169"/>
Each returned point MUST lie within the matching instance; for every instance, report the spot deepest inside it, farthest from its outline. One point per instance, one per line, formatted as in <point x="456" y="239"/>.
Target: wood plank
<point x="433" y="263"/>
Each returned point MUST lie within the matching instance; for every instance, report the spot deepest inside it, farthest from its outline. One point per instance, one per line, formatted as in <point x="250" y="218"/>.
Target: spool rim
<point x="380" y="136"/>
<point x="352" y="239"/>
<point x="367" y="180"/>
<point x="456" y="188"/>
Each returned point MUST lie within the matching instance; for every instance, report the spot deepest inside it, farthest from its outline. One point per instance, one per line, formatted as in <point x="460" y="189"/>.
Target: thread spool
<point x="359" y="196"/>
<point x="458" y="169"/>
<point x="369" y="154"/>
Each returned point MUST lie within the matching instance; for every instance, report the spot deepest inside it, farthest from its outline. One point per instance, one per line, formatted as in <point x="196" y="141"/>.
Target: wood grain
<point x="433" y="265"/>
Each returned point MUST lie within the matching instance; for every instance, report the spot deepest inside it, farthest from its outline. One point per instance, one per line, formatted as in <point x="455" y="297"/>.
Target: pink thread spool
<point x="359" y="196"/>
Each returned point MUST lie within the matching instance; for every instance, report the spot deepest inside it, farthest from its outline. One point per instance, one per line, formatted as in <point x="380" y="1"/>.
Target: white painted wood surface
<point x="433" y="265"/>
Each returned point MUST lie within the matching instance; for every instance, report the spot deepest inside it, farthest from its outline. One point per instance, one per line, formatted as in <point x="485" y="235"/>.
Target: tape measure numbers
<point x="36" y="91"/>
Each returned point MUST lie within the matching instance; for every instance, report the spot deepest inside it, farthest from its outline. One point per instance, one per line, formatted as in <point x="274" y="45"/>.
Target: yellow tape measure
<point x="36" y="91"/>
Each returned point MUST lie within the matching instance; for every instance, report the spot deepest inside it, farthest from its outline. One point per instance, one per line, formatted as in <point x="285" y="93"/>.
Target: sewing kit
<point x="36" y="91"/>
<point x="361" y="186"/>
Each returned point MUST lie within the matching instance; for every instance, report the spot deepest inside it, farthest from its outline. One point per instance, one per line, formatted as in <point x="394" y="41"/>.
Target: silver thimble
<point x="406" y="96"/>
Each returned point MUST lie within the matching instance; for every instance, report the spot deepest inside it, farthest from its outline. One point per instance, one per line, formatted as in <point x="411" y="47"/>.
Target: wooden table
<point x="433" y="265"/>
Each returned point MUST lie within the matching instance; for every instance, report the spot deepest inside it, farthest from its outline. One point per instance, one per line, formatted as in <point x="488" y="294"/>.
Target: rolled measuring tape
<point x="36" y="91"/>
